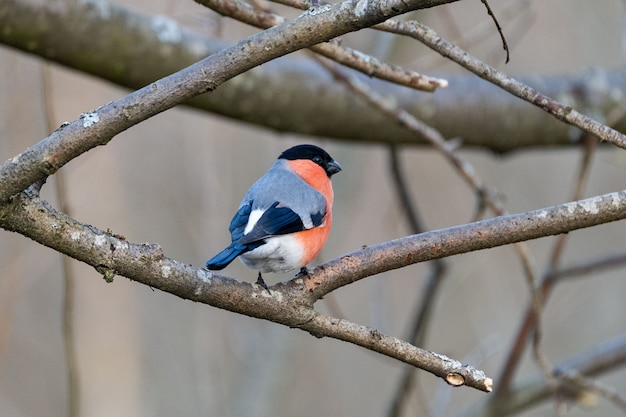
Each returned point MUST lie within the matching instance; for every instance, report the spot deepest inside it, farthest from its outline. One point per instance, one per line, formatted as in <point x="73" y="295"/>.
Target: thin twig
<point x="304" y="4"/>
<point x="402" y="191"/>
<point x="451" y="371"/>
<point x="446" y="148"/>
<point x="417" y="332"/>
<point x="546" y="284"/>
<point x="542" y="360"/>
<point x="505" y="46"/>
<point x="562" y="112"/>
<point x="589" y="386"/>
<point x="596" y="361"/>
<point x="447" y="49"/>
<point x="518" y="15"/>
<point x="584" y="170"/>
<point x="542" y="290"/>
<point x="67" y="318"/>
<point x="10" y="294"/>
<point x="617" y="260"/>
<point x="386" y="106"/>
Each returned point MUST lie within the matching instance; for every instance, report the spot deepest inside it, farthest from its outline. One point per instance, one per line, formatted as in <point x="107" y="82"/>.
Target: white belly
<point x="279" y="254"/>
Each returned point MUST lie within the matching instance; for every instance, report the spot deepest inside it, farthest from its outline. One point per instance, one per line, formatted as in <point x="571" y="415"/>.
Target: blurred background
<point x="176" y="180"/>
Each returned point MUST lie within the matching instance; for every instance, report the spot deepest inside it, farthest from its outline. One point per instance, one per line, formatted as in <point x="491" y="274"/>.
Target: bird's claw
<point x="262" y="283"/>
<point x="303" y="271"/>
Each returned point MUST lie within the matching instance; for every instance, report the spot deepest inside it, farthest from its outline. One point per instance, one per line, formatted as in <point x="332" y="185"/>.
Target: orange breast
<point x="314" y="175"/>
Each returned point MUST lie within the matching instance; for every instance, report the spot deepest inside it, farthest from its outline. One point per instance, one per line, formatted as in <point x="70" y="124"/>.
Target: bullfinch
<point x="285" y="217"/>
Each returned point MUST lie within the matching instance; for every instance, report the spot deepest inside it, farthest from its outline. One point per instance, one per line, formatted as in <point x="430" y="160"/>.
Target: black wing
<point x="274" y="221"/>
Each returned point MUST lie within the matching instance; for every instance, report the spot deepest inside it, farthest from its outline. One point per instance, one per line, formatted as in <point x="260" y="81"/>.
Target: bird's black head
<point x="315" y="154"/>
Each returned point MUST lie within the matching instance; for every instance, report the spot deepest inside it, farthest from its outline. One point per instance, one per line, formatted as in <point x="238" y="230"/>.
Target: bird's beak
<point x="332" y="167"/>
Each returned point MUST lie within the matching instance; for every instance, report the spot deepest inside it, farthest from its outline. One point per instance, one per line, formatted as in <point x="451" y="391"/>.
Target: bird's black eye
<point x="317" y="159"/>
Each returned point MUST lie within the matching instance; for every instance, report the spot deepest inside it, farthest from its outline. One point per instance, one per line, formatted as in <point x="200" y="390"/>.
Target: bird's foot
<point x="262" y="283"/>
<point x="303" y="271"/>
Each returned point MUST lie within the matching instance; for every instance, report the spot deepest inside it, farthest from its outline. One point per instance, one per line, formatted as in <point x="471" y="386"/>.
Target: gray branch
<point x="100" y="126"/>
<point x="133" y="50"/>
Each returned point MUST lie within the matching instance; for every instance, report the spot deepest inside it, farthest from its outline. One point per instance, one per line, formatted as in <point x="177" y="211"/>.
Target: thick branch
<point x="244" y="12"/>
<point x="100" y="126"/>
<point x="502" y="230"/>
<point x="34" y="218"/>
<point x="291" y="86"/>
<point x="291" y="304"/>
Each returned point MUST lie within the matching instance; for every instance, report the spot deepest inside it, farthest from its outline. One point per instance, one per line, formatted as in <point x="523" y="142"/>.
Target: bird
<point x="284" y="219"/>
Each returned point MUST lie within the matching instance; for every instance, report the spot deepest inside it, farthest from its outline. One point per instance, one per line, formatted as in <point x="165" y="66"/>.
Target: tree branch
<point x="559" y="110"/>
<point x="596" y="361"/>
<point x="543" y="288"/>
<point x="450" y="370"/>
<point x="430" y="289"/>
<point x="291" y="85"/>
<point x="291" y="304"/>
<point x="470" y="237"/>
<point x="100" y="126"/>
<point x="447" y="149"/>
<point x="349" y="57"/>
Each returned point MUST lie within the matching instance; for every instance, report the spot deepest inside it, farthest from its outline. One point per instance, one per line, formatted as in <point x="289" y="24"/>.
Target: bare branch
<point x="291" y="304"/>
<point x="505" y="45"/>
<point x="527" y="323"/>
<point x="446" y="148"/>
<point x="576" y="271"/>
<point x="100" y="126"/>
<point x="560" y="111"/>
<point x="544" y="287"/>
<point x="504" y="123"/>
<point x="429" y="293"/>
<point x="449" y="50"/>
<point x="349" y="57"/>
<point x="451" y="371"/>
<point x="484" y="234"/>
<point x="586" y="386"/>
<point x="595" y="361"/>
